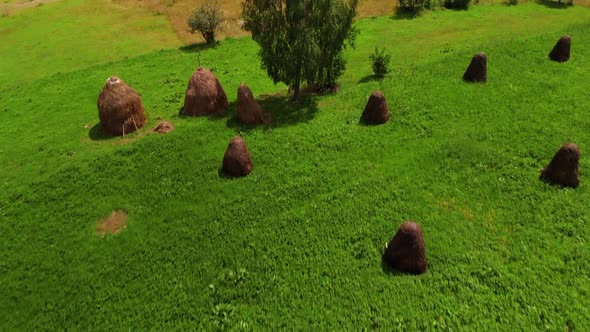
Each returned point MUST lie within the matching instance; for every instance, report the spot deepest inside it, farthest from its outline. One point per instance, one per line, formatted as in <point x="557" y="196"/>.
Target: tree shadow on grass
<point x="197" y="47"/>
<point x="554" y="4"/>
<point x="404" y="14"/>
<point x="369" y="78"/>
<point x="284" y="112"/>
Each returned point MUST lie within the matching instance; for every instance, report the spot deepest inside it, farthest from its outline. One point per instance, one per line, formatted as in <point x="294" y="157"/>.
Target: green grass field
<point x="76" y="34"/>
<point x="297" y="244"/>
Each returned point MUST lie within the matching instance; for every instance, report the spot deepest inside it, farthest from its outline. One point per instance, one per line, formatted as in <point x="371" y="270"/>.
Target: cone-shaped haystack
<point x="477" y="70"/>
<point x="249" y="111"/>
<point x="376" y="111"/>
<point x="407" y="251"/>
<point x="204" y="95"/>
<point x="563" y="168"/>
<point x="119" y="108"/>
<point x="163" y="127"/>
<point x="561" y="50"/>
<point x="237" y="160"/>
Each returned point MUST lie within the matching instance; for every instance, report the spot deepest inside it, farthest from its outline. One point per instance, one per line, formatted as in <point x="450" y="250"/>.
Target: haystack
<point x="563" y="169"/>
<point x="249" y="111"/>
<point x="237" y="160"/>
<point x="561" y="50"/>
<point x="376" y="111"/>
<point x="477" y="70"/>
<point x="407" y="250"/>
<point x="204" y="95"/>
<point x="119" y="108"/>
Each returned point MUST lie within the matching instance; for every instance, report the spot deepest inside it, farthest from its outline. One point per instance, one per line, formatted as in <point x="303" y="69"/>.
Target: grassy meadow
<point x="76" y="34"/>
<point x="297" y="244"/>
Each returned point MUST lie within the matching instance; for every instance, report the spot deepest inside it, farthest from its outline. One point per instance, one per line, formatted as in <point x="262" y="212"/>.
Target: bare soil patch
<point x="112" y="224"/>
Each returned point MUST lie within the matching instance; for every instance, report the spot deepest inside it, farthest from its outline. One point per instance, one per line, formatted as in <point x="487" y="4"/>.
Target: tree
<point x="206" y="19"/>
<point x="301" y="40"/>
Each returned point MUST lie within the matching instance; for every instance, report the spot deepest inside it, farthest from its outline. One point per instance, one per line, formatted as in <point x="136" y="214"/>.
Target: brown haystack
<point x="561" y="50"/>
<point x="237" y="160"/>
<point x="563" y="168"/>
<point x="376" y="111"/>
<point x="119" y="108"/>
<point x="407" y="251"/>
<point x="477" y="70"/>
<point x="249" y="111"/>
<point x="204" y="95"/>
<point x="163" y="127"/>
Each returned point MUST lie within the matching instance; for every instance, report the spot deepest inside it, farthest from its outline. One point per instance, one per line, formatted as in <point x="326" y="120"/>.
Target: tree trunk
<point x="297" y="83"/>
<point x="296" y="90"/>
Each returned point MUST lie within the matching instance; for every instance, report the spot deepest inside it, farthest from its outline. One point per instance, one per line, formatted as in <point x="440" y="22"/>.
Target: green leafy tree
<point x="302" y="40"/>
<point x="206" y="20"/>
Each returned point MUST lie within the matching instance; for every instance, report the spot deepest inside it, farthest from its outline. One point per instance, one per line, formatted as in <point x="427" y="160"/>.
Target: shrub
<point x="414" y="5"/>
<point x="511" y="2"/>
<point x="206" y="20"/>
<point x="380" y="59"/>
<point x="456" y="4"/>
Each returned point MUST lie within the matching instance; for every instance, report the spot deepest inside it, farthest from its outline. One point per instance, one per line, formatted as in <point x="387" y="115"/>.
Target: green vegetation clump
<point x="380" y="60"/>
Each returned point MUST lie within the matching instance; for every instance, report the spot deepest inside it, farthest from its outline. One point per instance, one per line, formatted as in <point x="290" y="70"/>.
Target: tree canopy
<point x="302" y="40"/>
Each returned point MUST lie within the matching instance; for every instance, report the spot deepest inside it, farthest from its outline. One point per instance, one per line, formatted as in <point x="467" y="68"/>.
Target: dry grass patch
<point x="112" y="224"/>
<point x="178" y="12"/>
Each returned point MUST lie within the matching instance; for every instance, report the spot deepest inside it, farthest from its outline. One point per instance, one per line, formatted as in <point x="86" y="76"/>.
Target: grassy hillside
<point x="298" y="243"/>
<point x="177" y="12"/>
<point x="43" y="37"/>
<point x="74" y="34"/>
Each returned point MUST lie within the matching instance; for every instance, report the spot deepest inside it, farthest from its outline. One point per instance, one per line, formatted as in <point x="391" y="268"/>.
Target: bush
<point x="456" y="4"/>
<point x="511" y="2"/>
<point x="206" y="20"/>
<point x="380" y="59"/>
<point x="414" y="5"/>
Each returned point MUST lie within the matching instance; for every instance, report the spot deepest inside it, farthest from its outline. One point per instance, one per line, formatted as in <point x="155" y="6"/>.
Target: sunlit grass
<point x="297" y="244"/>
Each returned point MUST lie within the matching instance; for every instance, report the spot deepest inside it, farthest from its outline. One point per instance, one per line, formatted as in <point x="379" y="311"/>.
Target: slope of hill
<point x="74" y="34"/>
<point x="177" y="12"/>
<point x="297" y="244"/>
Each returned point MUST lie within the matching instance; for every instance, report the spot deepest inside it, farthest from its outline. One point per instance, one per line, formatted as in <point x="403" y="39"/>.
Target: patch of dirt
<point x="112" y="224"/>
